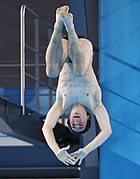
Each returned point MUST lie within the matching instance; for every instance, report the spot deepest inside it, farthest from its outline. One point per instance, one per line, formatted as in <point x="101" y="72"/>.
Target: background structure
<point x="20" y="136"/>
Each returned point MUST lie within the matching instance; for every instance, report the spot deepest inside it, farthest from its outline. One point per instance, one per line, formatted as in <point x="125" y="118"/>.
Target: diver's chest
<point x="76" y="88"/>
<point x="77" y="94"/>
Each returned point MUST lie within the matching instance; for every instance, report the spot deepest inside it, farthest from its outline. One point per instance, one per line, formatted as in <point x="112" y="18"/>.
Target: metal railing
<point x="23" y="45"/>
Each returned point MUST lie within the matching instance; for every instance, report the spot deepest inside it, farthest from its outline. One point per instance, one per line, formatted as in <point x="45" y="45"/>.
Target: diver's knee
<point x="52" y="73"/>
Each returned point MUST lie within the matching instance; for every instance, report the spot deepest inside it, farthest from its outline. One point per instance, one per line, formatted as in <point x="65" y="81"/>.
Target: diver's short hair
<point x="86" y="128"/>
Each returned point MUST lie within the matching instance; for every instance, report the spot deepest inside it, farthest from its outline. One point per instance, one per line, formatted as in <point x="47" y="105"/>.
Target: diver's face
<point x="78" y="118"/>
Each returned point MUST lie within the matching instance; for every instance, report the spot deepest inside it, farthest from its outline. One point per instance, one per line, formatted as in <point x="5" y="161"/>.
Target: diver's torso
<point x="72" y="89"/>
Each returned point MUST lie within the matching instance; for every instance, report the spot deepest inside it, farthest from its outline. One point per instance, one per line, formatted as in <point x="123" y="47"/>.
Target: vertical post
<point x="37" y="64"/>
<point x="22" y="56"/>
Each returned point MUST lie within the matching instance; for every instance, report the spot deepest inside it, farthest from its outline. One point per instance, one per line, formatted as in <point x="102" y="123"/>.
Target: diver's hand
<point x="79" y="155"/>
<point x="65" y="157"/>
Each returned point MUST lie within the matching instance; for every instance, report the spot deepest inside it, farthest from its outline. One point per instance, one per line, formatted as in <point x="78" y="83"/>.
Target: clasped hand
<point x="65" y="157"/>
<point x="79" y="155"/>
<point x="72" y="158"/>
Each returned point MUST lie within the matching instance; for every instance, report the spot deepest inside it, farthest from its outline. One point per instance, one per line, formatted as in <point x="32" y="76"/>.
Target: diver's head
<point x="79" y="121"/>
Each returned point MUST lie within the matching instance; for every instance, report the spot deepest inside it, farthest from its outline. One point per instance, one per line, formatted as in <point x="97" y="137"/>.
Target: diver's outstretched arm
<point x="50" y="122"/>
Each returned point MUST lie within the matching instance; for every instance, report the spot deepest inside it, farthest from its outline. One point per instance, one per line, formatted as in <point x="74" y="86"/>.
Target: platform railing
<point x="23" y="45"/>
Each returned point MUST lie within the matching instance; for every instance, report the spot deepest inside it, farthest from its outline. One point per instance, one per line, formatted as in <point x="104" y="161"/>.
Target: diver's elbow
<point x="108" y="132"/>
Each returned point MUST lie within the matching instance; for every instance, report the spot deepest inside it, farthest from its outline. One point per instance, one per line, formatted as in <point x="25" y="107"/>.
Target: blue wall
<point x="120" y="82"/>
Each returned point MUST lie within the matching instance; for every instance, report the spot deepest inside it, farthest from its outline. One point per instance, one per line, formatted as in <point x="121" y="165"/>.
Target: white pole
<point x="22" y="55"/>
